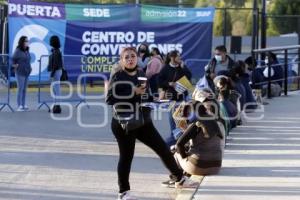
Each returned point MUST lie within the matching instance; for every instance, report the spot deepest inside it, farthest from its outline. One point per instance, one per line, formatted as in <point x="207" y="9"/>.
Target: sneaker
<point x="20" y="109"/>
<point x="186" y="182"/>
<point x="126" y="196"/>
<point x="25" y="108"/>
<point x="168" y="184"/>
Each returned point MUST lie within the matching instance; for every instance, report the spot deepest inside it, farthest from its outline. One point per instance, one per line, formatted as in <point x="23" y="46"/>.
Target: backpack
<point x="56" y="109"/>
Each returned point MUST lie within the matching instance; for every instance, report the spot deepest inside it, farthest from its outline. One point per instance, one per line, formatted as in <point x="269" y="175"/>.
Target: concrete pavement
<point x="41" y="158"/>
<point x="44" y="159"/>
<point x="262" y="158"/>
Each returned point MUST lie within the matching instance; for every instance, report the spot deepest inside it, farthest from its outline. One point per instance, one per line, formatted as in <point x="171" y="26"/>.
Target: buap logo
<point x="36" y="35"/>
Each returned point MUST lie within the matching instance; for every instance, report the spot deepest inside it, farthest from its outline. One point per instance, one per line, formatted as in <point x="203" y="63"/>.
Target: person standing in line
<point x="126" y="93"/>
<point x="143" y="56"/>
<point x="174" y="70"/>
<point x="219" y="63"/>
<point x="21" y="64"/>
<point x="153" y="68"/>
<point x="55" y="67"/>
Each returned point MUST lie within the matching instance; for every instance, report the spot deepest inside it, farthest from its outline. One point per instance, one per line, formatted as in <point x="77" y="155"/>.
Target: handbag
<point x="56" y="109"/>
<point x="64" y="75"/>
<point x="130" y="121"/>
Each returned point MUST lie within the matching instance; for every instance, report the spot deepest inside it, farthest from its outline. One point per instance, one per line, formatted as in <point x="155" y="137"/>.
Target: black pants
<point x="150" y="137"/>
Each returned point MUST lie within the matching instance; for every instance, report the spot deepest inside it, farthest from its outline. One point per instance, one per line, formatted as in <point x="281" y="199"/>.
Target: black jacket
<point x="212" y="65"/>
<point x="119" y="91"/>
<point x="172" y="74"/>
<point x="206" y="142"/>
<point x="55" y="61"/>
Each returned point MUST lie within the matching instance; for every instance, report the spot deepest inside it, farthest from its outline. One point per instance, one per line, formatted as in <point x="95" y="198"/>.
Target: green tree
<point x="219" y="21"/>
<point x="234" y="3"/>
<point x="283" y="25"/>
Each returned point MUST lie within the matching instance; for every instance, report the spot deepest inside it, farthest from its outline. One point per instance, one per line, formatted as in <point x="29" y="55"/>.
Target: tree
<point x="219" y="21"/>
<point x="235" y="3"/>
<point x="279" y="24"/>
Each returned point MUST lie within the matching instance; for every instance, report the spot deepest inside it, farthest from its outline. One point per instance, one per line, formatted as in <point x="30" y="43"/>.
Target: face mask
<point x="266" y="61"/>
<point x="218" y="58"/>
<point x="130" y="70"/>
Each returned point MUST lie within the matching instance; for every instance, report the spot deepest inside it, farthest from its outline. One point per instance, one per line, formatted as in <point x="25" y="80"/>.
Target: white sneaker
<point x="186" y="182"/>
<point x="25" y="108"/>
<point x="20" y="109"/>
<point x="126" y="196"/>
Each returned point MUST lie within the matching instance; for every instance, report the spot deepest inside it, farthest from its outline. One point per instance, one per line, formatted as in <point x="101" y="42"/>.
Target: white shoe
<point x="25" y="108"/>
<point x="186" y="182"/>
<point x="126" y="196"/>
<point x="20" y="109"/>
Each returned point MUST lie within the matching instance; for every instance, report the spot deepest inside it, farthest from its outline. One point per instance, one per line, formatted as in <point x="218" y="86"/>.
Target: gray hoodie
<point x="22" y="58"/>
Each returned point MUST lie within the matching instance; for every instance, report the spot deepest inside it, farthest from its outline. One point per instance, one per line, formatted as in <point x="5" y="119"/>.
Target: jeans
<point x="56" y="86"/>
<point x="150" y="137"/>
<point x="171" y="139"/>
<point x="22" y="82"/>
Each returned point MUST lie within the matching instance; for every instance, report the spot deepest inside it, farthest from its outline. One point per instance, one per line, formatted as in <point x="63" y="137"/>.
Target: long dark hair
<point x="55" y="42"/>
<point x="21" y="43"/>
<point x="157" y="51"/>
<point x="170" y="55"/>
<point x="147" y="53"/>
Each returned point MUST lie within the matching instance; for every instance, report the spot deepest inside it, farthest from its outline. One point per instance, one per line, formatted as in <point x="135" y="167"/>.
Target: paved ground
<point x="58" y="160"/>
<point x="262" y="159"/>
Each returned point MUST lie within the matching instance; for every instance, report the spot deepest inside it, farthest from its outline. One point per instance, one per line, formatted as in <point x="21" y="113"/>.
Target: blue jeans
<point x="171" y="139"/>
<point x="56" y="86"/>
<point x="22" y="82"/>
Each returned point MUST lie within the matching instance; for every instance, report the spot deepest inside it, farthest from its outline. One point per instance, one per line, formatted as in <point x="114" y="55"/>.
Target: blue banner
<point x="95" y="35"/>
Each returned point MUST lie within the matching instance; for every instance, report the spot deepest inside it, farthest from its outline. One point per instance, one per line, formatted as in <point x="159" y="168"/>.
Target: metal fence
<point x="286" y="65"/>
<point x="80" y="86"/>
<point x="5" y="74"/>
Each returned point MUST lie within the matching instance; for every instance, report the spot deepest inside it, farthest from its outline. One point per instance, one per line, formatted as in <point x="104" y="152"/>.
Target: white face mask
<point x="266" y="61"/>
<point x="218" y="58"/>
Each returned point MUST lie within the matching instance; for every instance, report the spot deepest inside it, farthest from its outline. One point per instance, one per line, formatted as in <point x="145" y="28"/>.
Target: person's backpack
<point x="56" y="109"/>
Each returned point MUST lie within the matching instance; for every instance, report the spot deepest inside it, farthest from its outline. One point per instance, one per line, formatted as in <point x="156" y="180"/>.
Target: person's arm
<point x="210" y="71"/>
<point x="163" y="81"/>
<point x="142" y="63"/>
<point x="188" y="134"/>
<point x="187" y="72"/>
<point x="15" y="58"/>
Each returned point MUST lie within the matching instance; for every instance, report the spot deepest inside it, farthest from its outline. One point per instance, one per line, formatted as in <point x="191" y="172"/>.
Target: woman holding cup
<point x="127" y="90"/>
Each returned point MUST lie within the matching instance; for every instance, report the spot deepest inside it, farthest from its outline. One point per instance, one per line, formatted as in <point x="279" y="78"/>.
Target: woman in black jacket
<point x="55" y="66"/>
<point x="170" y="73"/>
<point x="125" y="92"/>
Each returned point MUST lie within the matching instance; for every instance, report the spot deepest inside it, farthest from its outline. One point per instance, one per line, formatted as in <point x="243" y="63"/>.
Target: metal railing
<point x="286" y="63"/>
<point x="77" y="83"/>
<point x="5" y="75"/>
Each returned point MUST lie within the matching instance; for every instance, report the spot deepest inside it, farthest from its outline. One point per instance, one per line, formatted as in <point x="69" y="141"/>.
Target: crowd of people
<point x="199" y="120"/>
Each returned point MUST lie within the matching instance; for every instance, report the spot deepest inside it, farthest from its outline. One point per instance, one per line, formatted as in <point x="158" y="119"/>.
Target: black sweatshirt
<point x="55" y="61"/>
<point x="206" y="144"/>
<point x="123" y="90"/>
<point x="172" y="74"/>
